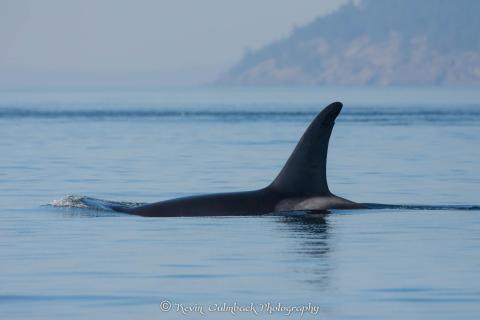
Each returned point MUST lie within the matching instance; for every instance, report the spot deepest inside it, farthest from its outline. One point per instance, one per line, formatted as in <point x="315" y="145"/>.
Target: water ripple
<point x="391" y="115"/>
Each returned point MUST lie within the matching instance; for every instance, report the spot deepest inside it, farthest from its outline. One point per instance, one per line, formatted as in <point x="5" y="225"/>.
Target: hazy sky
<point x="142" y="43"/>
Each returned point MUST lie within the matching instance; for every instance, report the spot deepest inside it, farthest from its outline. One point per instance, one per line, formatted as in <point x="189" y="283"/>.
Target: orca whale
<point x="300" y="186"/>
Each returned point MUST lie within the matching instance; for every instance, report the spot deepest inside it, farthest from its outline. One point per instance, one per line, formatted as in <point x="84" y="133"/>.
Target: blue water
<point x="408" y="146"/>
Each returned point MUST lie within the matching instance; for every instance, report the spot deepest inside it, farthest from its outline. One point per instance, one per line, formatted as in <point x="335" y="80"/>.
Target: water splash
<point x="84" y="202"/>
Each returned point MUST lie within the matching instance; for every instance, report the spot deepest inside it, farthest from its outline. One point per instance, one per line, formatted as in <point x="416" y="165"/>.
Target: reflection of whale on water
<point x="310" y="237"/>
<point x="310" y="227"/>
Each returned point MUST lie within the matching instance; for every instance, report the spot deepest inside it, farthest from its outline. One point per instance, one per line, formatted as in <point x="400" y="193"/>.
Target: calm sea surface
<point x="399" y="146"/>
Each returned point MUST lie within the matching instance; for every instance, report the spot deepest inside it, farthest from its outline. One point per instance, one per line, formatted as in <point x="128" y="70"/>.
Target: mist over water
<point x="395" y="146"/>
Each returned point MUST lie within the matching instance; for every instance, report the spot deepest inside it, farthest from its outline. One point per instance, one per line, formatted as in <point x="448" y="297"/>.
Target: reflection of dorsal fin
<point x="305" y="171"/>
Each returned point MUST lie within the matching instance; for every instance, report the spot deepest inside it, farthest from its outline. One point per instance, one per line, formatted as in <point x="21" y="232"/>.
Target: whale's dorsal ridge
<point x="301" y="184"/>
<point x="304" y="173"/>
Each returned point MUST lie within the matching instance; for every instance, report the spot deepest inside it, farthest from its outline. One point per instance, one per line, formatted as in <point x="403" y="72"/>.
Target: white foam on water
<point x="84" y="202"/>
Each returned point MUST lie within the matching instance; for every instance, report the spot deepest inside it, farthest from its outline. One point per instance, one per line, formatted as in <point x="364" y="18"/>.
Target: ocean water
<point x="409" y="146"/>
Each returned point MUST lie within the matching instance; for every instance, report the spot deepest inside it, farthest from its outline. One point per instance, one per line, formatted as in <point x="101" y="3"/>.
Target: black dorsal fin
<point x="304" y="174"/>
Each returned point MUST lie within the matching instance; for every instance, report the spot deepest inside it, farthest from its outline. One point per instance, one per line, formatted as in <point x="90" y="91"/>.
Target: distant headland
<point x="373" y="42"/>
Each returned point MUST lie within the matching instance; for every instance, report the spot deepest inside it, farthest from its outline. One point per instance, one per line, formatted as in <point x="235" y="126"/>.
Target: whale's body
<point x="301" y="184"/>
